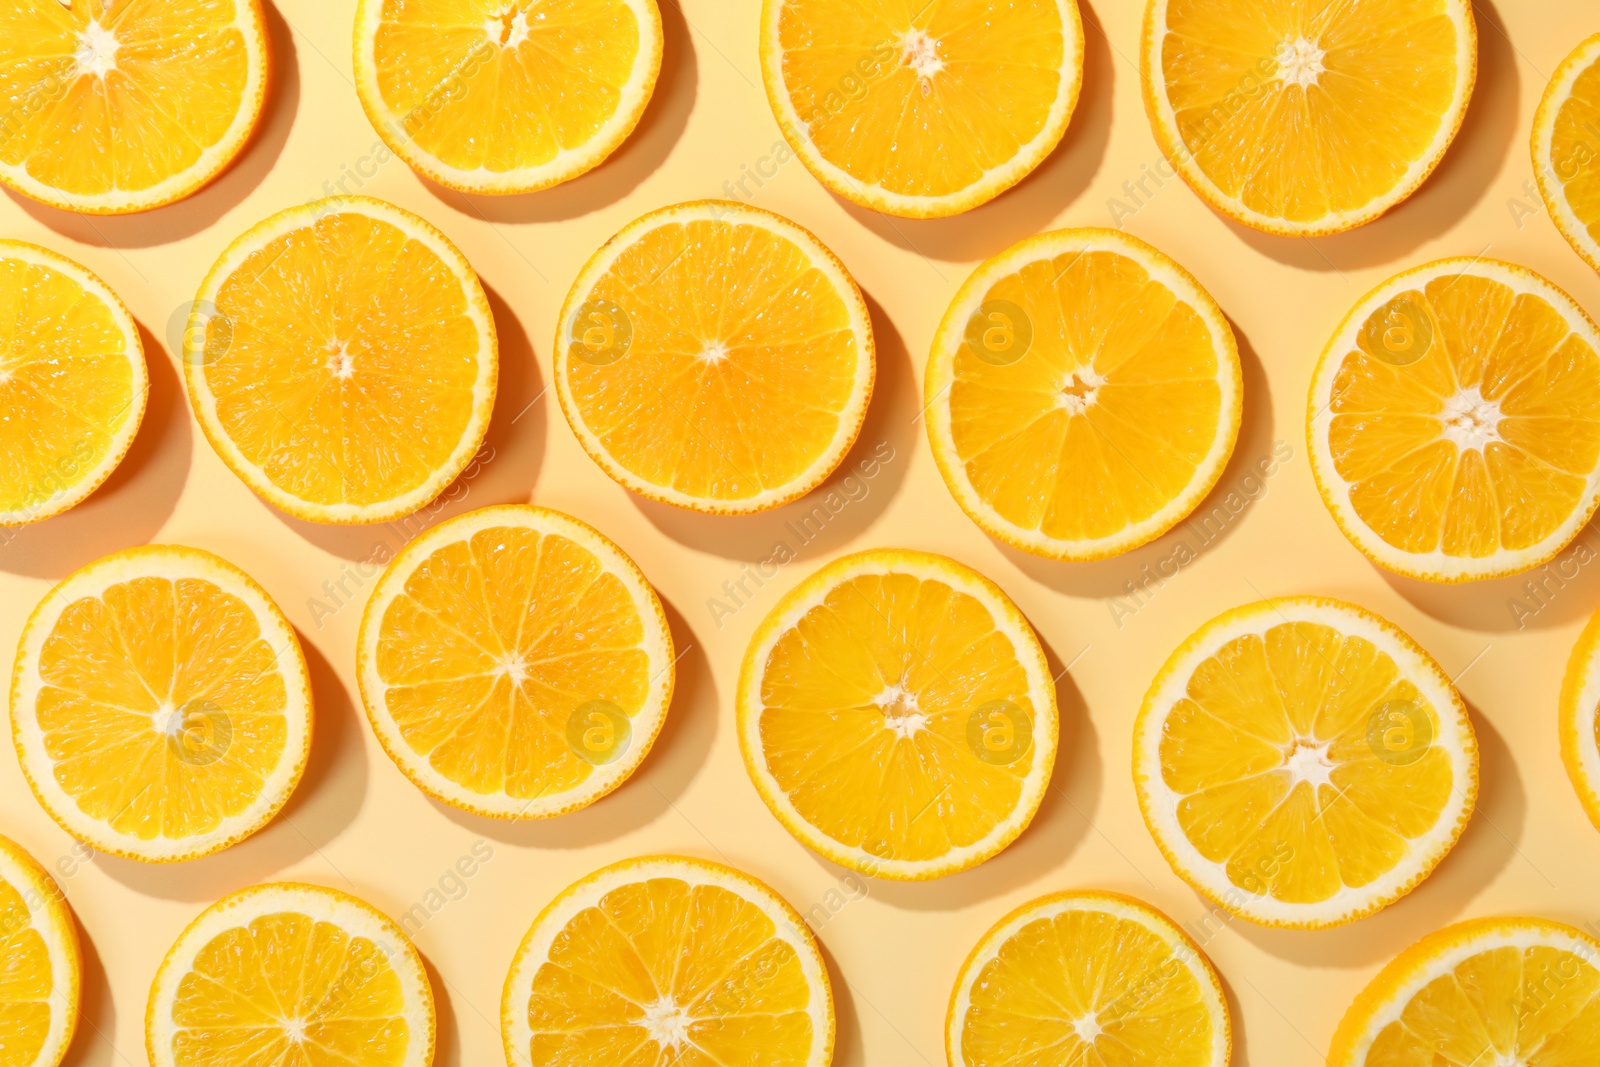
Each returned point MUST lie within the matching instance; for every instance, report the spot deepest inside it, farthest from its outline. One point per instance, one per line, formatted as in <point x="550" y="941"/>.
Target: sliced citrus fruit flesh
<point x="515" y="663"/>
<point x="287" y="973"/>
<point x="716" y="357"/>
<point x="1454" y="422"/>
<point x="160" y="704"/>
<point x="666" y="959"/>
<point x="1303" y="763"/>
<point x="1087" y="978"/>
<point x="119" y="106"/>
<point x="927" y="109"/>
<point x="1307" y="118"/>
<point x="1489" y="991"/>
<point x="1580" y="719"/>
<point x="73" y="382"/>
<point x="341" y="359"/>
<point x="41" y="977"/>
<point x="897" y="716"/>
<point x="1566" y="149"/>
<point x="505" y="96"/>
<point x="1082" y="395"/>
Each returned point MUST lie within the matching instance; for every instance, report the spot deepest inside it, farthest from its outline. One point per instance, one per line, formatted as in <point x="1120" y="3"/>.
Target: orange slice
<point x="73" y="382"/>
<point x="505" y="96"/>
<point x="1303" y="763"/>
<point x="41" y="976"/>
<point x="1305" y="119"/>
<point x="925" y="109"/>
<point x="515" y="663"/>
<point x="341" y="359"/>
<point x="1082" y="395"/>
<point x="1454" y="422"/>
<point x="290" y="974"/>
<point x="668" y="960"/>
<point x="116" y="106"/>
<point x="897" y="716"/>
<point x="1489" y="992"/>
<point x="716" y="357"/>
<point x="1566" y="149"/>
<point x="160" y="704"/>
<point x="1580" y="719"/>
<point x="1087" y="979"/>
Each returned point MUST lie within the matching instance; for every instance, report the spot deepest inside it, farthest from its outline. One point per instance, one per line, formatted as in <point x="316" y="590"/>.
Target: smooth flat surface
<point x="357" y="824"/>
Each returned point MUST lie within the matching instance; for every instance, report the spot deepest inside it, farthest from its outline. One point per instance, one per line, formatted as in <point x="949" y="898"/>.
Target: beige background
<point x="355" y="823"/>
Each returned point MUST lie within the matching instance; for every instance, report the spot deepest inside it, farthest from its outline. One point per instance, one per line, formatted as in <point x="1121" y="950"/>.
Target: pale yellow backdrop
<point x="356" y="824"/>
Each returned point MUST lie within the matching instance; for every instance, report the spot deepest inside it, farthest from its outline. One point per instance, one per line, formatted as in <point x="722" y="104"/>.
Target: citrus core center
<point x="920" y="52"/>
<point x="509" y="28"/>
<point x="901" y="715"/>
<point x="511" y="666"/>
<point x="667" y="1024"/>
<point x="1300" y="62"/>
<point x="96" y="53"/>
<point x="167" y="719"/>
<point x="340" y="362"/>
<point x="1308" y="762"/>
<point x="1078" y="392"/>
<point x="1471" y="420"/>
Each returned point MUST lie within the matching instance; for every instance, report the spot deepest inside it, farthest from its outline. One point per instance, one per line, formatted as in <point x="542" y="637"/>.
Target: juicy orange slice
<point x="42" y="973"/>
<point x="73" y="382"/>
<point x="116" y="106"/>
<point x="925" y="109"/>
<point x="515" y="663"/>
<point x="1087" y="979"/>
<point x="716" y="357"/>
<point x="160" y="704"/>
<point x="1566" y="149"/>
<point x="1082" y="395"/>
<point x="1580" y="719"/>
<point x="1303" y="763"/>
<point x="505" y="96"/>
<point x="897" y="716"/>
<point x="287" y="974"/>
<point x="668" y="960"/>
<point x="341" y="359"/>
<point x="1454" y="421"/>
<point x="1307" y="118"/>
<point x="1488" y="992"/>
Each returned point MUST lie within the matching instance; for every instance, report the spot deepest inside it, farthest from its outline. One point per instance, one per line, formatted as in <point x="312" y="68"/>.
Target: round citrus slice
<point x="926" y="110"/>
<point x="119" y="106"/>
<point x="716" y="357"/>
<point x="1082" y="395"/>
<point x="290" y="974"/>
<point x="42" y="974"/>
<point x="1303" y="763"/>
<point x="1454" y="423"/>
<point x="160" y="704"/>
<point x="506" y="96"/>
<point x="1490" y="992"/>
<point x="341" y="359"/>
<point x="515" y="663"/>
<point x="896" y="714"/>
<point x="1566" y="149"/>
<point x="1306" y="119"/>
<point x="665" y="959"/>
<point x="1087" y="978"/>
<point x="73" y="382"/>
<point x="1580" y="719"/>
